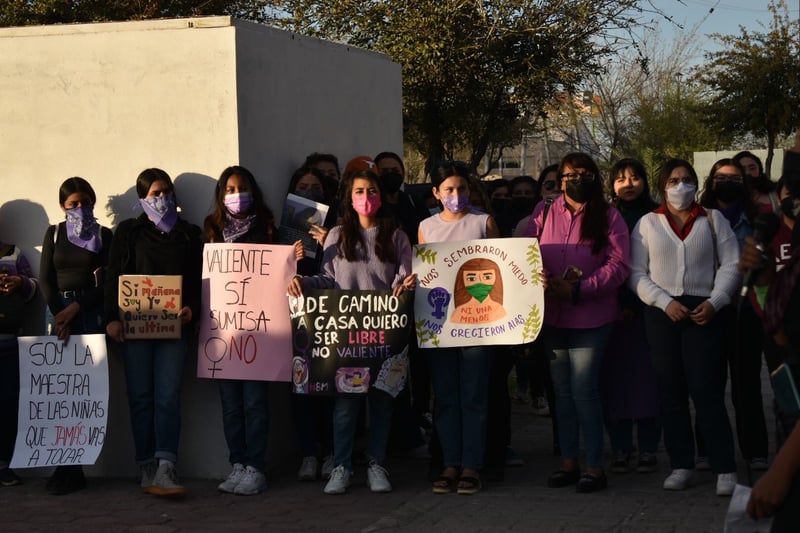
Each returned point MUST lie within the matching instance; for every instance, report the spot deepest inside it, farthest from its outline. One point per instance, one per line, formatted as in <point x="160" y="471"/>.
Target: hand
<point x="10" y="284"/>
<point x="299" y="251"/>
<point x="295" y="288"/>
<point x="115" y="331"/>
<point x="64" y="318"/>
<point x="768" y="493"/>
<point x="758" y="258"/>
<point x="409" y="284"/>
<point x="560" y="288"/>
<point x="319" y="233"/>
<point x="676" y="311"/>
<point x="703" y="313"/>
<point x="185" y="314"/>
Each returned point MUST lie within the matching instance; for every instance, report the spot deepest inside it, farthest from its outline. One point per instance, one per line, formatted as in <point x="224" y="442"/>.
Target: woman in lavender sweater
<point x="367" y="251"/>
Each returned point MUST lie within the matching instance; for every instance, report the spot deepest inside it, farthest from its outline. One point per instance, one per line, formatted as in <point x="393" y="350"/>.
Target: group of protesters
<point x="643" y="312"/>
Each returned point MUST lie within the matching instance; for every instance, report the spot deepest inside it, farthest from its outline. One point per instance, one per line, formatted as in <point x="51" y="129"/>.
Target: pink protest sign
<point x="245" y="330"/>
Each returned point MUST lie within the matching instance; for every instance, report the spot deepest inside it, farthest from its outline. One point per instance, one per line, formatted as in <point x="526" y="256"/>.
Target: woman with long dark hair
<point x="585" y="251"/>
<point x="158" y="242"/>
<point x="74" y="254"/>
<point x="368" y="251"/>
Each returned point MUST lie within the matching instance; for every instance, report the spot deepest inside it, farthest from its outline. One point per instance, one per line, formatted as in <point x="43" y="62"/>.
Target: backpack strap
<point x="548" y="202"/>
<point x="710" y="217"/>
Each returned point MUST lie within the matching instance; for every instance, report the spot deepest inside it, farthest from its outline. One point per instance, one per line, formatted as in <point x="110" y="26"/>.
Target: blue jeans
<point x="687" y="358"/>
<point x="345" y="419"/>
<point x="575" y="357"/>
<point x="153" y="374"/>
<point x="460" y="378"/>
<point x="648" y="433"/>
<point x="313" y="422"/>
<point x="245" y="421"/>
<point x="89" y="319"/>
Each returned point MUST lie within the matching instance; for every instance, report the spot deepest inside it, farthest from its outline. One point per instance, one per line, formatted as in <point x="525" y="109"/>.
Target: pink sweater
<point x="602" y="275"/>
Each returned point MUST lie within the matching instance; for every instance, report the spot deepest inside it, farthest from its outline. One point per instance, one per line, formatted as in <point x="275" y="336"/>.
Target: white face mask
<point x="681" y="196"/>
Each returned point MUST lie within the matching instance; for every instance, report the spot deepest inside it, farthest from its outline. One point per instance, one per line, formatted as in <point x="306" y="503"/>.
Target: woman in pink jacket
<point x="585" y="251"/>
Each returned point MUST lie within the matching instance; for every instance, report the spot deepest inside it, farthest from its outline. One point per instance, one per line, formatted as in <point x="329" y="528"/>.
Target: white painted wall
<point x="191" y="96"/>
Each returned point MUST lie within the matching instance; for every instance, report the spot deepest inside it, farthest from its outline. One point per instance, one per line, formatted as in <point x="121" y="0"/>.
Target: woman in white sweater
<point x="684" y="267"/>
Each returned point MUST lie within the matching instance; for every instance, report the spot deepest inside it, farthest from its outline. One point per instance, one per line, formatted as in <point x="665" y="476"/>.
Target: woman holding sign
<point x="157" y="243"/>
<point x="460" y="376"/>
<point x="585" y="252"/>
<point x="242" y="216"/>
<point x="74" y="254"/>
<point x="367" y="251"/>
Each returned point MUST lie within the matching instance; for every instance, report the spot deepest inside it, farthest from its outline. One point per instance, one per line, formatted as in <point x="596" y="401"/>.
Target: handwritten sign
<point x="480" y="292"/>
<point x="63" y="401"/>
<point x="245" y="331"/>
<point x="149" y="306"/>
<point x="348" y="341"/>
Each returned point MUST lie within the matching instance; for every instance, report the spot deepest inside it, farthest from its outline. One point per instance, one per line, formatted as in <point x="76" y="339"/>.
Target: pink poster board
<point x="245" y="330"/>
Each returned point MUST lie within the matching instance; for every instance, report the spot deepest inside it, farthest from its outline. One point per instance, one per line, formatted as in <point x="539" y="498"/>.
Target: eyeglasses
<point x="571" y="176"/>
<point x="735" y="178"/>
<point x="549" y="185"/>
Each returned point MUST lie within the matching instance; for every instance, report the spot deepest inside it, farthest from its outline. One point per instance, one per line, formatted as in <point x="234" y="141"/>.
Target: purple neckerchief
<point x="161" y="210"/>
<point x="236" y="227"/>
<point x="82" y="228"/>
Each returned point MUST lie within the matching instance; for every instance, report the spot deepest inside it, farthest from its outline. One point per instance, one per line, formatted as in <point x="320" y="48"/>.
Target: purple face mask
<point x="455" y="203"/>
<point x="238" y="203"/>
<point x="162" y="210"/>
<point x="82" y="228"/>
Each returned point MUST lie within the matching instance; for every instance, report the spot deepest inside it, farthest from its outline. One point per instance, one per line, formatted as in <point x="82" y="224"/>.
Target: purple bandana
<point x="236" y="227"/>
<point x="82" y="228"/>
<point x="161" y="210"/>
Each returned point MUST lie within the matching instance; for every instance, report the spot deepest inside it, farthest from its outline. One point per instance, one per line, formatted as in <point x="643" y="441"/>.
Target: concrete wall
<point x="703" y="161"/>
<point x="191" y="96"/>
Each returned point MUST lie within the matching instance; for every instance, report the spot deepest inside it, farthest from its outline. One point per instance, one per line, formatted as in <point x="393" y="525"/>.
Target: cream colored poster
<point x="479" y="292"/>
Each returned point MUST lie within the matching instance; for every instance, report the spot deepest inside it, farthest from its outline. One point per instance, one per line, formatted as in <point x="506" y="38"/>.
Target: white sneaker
<point x="327" y="467"/>
<point x="233" y="479"/>
<point x="308" y="469"/>
<point x="165" y="482"/>
<point x="726" y="483"/>
<point x="378" y="478"/>
<point x="253" y="482"/>
<point x="339" y="481"/>
<point x="679" y="479"/>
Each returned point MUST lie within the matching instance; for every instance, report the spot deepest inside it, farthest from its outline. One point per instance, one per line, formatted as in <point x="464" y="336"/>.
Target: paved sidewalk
<point x="633" y="502"/>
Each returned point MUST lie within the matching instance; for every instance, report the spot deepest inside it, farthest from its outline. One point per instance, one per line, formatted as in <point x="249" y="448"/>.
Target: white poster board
<point x="63" y="401"/>
<point x="481" y="292"/>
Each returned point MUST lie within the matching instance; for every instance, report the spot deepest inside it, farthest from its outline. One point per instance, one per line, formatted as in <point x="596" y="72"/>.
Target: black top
<point x="67" y="267"/>
<point x="139" y="247"/>
<point x="408" y="215"/>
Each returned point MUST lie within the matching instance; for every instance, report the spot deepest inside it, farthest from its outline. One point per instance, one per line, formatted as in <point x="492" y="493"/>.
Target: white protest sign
<point x="481" y="292"/>
<point x="63" y="401"/>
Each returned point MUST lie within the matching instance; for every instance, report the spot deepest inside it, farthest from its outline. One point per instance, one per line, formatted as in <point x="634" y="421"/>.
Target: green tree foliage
<point x="754" y="82"/>
<point x="30" y="12"/>
<point x="473" y="68"/>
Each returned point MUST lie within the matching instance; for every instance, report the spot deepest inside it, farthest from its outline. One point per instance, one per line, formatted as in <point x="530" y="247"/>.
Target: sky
<point x="704" y="17"/>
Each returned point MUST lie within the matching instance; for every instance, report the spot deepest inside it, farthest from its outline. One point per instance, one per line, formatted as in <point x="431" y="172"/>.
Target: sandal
<point x="445" y="484"/>
<point x="469" y="485"/>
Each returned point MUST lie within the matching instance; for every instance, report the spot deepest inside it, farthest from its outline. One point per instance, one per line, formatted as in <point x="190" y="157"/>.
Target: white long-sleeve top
<point x="663" y="266"/>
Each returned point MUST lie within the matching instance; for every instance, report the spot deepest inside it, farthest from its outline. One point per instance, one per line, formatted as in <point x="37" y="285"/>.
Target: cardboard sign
<point x="245" y="332"/>
<point x="348" y="341"/>
<point x="480" y="292"/>
<point x="63" y="401"/>
<point x="149" y="306"/>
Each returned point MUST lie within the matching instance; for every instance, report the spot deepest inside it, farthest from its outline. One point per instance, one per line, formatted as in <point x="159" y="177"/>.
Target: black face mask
<point x="579" y="190"/>
<point x="500" y="205"/>
<point x="315" y="195"/>
<point x="728" y="191"/>
<point x="390" y="182"/>
<point x="522" y="204"/>
<point x="790" y="207"/>
<point x="763" y="184"/>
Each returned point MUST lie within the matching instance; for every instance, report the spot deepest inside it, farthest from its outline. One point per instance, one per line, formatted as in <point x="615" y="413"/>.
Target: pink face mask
<point x="367" y="204"/>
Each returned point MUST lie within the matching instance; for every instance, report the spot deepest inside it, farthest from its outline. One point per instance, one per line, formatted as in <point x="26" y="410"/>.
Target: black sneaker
<point x="591" y="483"/>
<point x="8" y="478"/>
<point x="647" y="463"/>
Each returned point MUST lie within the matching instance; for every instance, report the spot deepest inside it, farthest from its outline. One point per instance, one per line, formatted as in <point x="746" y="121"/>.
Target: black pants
<point x="9" y="397"/>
